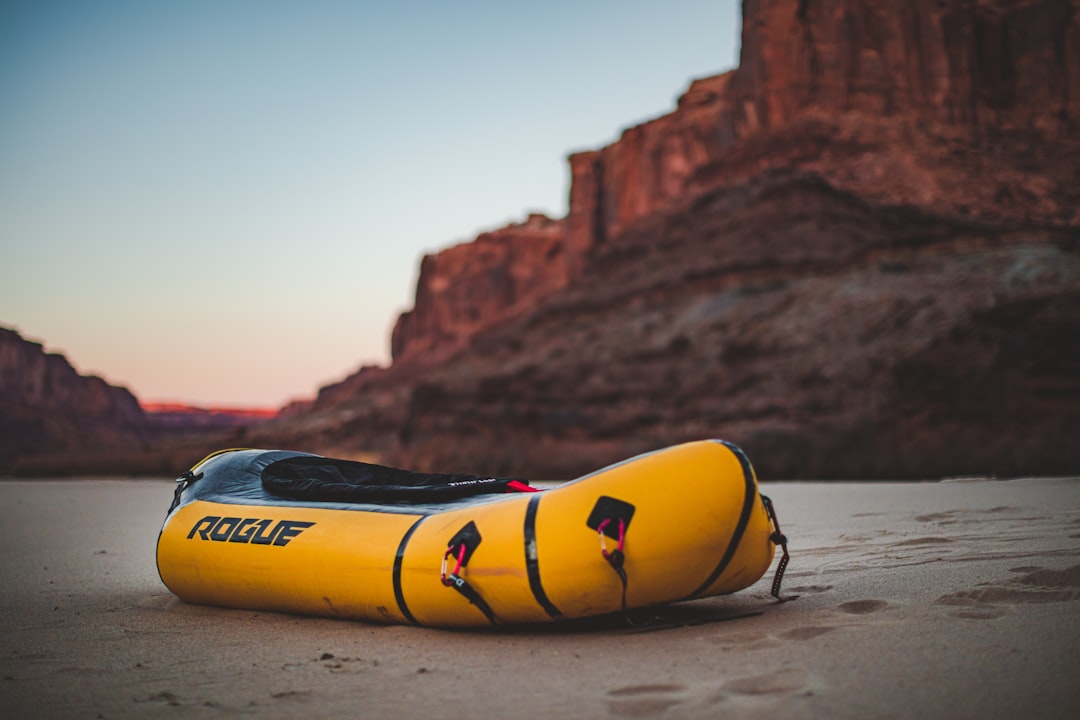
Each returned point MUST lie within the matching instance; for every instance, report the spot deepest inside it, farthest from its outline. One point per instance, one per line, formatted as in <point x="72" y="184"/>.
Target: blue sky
<point x="227" y="202"/>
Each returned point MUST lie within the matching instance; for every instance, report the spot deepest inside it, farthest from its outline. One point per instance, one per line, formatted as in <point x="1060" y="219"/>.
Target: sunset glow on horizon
<point x="226" y="204"/>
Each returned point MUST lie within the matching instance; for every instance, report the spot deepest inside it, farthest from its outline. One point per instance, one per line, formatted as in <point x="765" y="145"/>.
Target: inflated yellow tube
<point x="679" y="523"/>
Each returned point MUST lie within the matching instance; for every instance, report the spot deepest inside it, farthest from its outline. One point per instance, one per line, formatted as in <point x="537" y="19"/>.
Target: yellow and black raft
<point x="300" y="533"/>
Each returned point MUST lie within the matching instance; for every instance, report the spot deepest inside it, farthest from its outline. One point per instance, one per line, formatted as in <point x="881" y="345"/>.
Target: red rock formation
<point x="963" y="63"/>
<point x="471" y="286"/>
<point x="828" y="336"/>
<point x="46" y="406"/>
<point x="926" y="85"/>
<point x="856" y="255"/>
<point x="649" y="166"/>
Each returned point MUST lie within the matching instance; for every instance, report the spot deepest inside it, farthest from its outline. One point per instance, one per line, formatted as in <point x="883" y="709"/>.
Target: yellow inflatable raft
<point x="300" y="533"/>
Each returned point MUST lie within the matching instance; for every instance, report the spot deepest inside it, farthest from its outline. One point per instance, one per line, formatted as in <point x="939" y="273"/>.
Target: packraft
<point x="301" y="533"/>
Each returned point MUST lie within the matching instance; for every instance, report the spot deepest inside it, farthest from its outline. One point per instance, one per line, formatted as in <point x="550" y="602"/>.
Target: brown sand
<point x="915" y="600"/>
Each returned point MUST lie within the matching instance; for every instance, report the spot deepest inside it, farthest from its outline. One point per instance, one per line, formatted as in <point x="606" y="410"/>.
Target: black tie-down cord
<point x="611" y="517"/>
<point x="182" y="483"/>
<point x="777" y="538"/>
<point x="616" y="557"/>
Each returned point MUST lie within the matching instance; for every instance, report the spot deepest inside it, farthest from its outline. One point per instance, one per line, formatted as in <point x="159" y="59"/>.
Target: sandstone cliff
<point x="855" y="255"/>
<point x="475" y="285"/>
<point x="48" y="407"/>
<point x="954" y="106"/>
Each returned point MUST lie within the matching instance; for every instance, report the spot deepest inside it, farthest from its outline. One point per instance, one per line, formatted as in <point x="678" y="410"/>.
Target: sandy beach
<point x="953" y="599"/>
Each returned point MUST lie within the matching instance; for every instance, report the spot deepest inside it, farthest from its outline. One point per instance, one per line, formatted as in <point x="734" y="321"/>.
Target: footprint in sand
<point x="163" y="697"/>
<point x="862" y="607"/>
<point x="736" y="695"/>
<point x="644" y="700"/>
<point x="1038" y="585"/>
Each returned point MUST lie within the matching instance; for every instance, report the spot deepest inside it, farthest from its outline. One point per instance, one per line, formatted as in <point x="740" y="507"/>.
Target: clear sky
<point x="226" y="201"/>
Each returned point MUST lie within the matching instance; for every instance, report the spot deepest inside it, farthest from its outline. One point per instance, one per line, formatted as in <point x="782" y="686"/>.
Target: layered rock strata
<point x="856" y="255"/>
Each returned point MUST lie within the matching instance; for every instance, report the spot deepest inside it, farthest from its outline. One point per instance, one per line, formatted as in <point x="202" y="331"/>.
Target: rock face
<point x="855" y="255"/>
<point x="898" y="102"/>
<point x="47" y="407"/>
<point x="969" y="63"/>
<point x="827" y="336"/>
<point x="474" y="285"/>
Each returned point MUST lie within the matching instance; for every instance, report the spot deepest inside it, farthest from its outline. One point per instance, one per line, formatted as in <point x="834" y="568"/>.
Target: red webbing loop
<point x="457" y="568"/>
<point x="622" y="536"/>
<point x="454" y="580"/>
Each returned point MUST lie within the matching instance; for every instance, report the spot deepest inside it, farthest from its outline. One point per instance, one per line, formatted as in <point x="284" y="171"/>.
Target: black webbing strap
<point x="616" y="558"/>
<point x="182" y="483"/>
<point x="611" y="517"/>
<point x="462" y="586"/>
<point x="461" y="548"/>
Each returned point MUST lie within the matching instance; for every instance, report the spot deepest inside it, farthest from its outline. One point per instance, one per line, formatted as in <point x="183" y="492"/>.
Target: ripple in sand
<point x="644" y="700"/>
<point x="163" y="697"/>
<point x="645" y="689"/>
<point x="938" y="517"/>
<point x="806" y="633"/>
<point x="742" y="642"/>
<point x="158" y="602"/>
<point x="923" y="541"/>
<point x="774" y="684"/>
<point x="990" y="613"/>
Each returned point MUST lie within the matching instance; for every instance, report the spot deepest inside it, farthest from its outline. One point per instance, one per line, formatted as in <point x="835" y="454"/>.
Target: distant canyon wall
<point x="47" y="406"/>
<point x="923" y="85"/>
<point x="819" y="82"/>
<point x="858" y="255"/>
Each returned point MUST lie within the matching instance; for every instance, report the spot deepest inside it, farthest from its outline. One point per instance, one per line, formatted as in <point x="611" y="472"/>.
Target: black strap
<point x="462" y="586"/>
<point x="182" y="483"/>
<point x="617" y="559"/>
<point x="749" y="495"/>
<point x="532" y="561"/>
<point x="399" y="561"/>
<point x="462" y="545"/>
